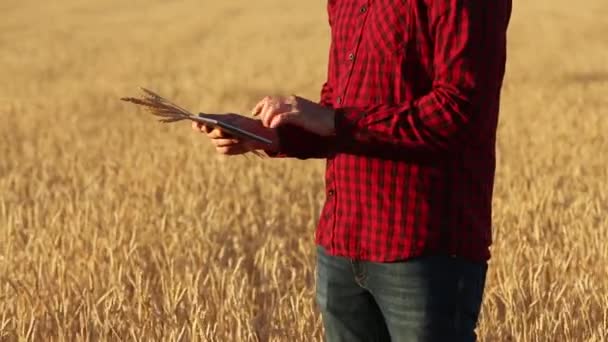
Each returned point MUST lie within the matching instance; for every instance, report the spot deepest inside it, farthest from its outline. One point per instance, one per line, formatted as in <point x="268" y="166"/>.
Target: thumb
<point x="285" y="118"/>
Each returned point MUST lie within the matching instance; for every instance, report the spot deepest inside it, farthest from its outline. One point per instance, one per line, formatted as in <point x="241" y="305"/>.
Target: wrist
<point x="330" y="121"/>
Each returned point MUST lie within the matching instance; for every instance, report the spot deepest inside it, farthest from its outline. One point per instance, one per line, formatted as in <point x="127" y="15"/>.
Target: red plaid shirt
<point x="415" y="85"/>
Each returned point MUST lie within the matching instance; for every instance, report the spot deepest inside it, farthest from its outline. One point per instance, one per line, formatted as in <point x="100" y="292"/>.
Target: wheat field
<point x="115" y="227"/>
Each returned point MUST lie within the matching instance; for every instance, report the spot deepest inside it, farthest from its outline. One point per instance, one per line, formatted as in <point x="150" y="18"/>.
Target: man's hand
<point x="229" y="145"/>
<point x="277" y="111"/>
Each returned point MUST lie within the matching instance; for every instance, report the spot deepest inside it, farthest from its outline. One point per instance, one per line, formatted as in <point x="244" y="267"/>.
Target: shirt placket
<point x="348" y="64"/>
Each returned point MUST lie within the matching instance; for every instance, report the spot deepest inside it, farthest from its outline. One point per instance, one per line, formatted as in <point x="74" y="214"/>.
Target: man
<point x="407" y="122"/>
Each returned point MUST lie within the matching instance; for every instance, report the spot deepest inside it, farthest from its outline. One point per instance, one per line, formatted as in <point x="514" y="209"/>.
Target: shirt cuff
<point x="347" y="122"/>
<point x="299" y="143"/>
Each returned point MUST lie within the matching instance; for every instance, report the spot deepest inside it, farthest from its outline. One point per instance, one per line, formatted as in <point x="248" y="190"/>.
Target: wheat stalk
<point x="165" y="109"/>
<point x="161" y="107"/>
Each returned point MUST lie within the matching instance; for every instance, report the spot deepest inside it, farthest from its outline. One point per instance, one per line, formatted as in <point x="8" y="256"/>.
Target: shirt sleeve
<point x="432" y="122"/>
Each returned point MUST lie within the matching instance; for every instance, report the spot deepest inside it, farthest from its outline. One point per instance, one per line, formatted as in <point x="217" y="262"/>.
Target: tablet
<point x="229" y="128"/>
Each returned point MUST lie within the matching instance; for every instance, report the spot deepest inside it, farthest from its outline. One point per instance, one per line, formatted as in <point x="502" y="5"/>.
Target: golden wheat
<point x="114" y="229"/>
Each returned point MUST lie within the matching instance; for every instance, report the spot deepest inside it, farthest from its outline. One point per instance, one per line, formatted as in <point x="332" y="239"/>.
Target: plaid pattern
<point x="415" y="85"/>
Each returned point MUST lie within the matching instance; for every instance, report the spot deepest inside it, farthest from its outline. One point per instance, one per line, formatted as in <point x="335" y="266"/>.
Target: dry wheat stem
<point x="159" y="106"/>
<point x="165" y="109"/>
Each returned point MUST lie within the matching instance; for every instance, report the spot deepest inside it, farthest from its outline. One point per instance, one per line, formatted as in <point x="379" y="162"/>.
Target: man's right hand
<point x="229" y="145"/>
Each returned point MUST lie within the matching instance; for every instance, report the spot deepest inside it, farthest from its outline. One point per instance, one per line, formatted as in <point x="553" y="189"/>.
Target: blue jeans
<point x="435" y="298"/>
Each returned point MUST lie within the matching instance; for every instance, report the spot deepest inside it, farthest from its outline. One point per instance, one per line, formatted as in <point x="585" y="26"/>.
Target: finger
<point x="285" y="118"/>
<point x="205" y="129"/>
<point x="269" y="111"/>
<point x="197" y="126"/>
<point x="232" y="150"/>
<point x="225" y="142"/>
<point x="260" y="105"/>
<point x="216" y="133"/>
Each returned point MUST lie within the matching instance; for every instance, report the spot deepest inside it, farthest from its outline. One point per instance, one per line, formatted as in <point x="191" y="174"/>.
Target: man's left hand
<point x="297" y="111"/>
<point x="228" y="145"/>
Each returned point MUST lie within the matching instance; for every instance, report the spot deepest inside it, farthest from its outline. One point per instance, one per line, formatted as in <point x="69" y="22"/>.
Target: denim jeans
<point x="434" y="298"/>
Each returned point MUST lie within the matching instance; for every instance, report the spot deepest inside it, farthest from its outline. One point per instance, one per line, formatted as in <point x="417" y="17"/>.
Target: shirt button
<point x="363" y="9"/>
<point x="351" y="56"/>
<point x="338" y="100"/>
<point x="330" y="193"/>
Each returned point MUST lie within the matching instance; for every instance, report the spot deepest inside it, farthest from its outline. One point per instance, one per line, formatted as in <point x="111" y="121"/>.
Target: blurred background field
<point x="114" y="227"/>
